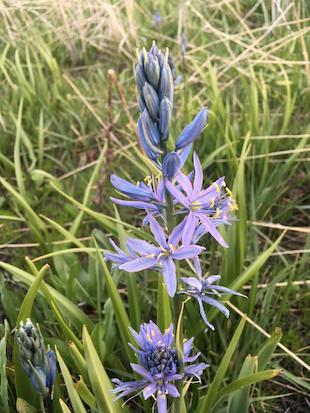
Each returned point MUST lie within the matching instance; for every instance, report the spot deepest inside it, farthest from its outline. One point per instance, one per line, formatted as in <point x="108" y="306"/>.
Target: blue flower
<point x="209" y="207"/>
<point x="171" y="165"/>
<point x="143" y="255"/>
<point x="201" y="291"/>
<point x="149" y="196"/>
<point x="158" y="365"/>
<point x="192" y="130"/>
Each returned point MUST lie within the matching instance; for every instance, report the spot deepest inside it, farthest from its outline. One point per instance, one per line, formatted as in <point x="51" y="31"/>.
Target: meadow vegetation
<point x="68" y="117"/>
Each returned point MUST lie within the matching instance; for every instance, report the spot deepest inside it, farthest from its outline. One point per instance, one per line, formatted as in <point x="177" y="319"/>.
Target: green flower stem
<point x="42" y="407"/>
<point x="177" y="306"/>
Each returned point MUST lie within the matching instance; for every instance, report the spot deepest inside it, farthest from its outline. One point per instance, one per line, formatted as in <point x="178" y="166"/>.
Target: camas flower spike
<point x="38" y="363"/>
<point x="158" y="365"/>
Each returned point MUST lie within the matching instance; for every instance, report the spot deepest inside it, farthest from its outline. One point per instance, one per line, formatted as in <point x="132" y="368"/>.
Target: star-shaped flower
<point x="143" y="255"/>
<point x="206" y="207"/>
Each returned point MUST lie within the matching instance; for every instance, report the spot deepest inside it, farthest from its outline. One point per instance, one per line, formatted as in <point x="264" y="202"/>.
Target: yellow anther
<point x="158" y="176"/>
<point x="217" y="187"/>
<point x="150" y="255"/>
<point x="149" y="338"/>
<point x="212" y="202"/>
<point x="195" y="206"/>
<point x="233" y="205"/>
<point x="171" y="247"/>
<point x="138" y="183"/>
<point x="159" y="392"/>
<point x="223" y="184"/>
<point x="229" y="193"/>
<point x="148" y="180"/>
<point x="218" y="213"/>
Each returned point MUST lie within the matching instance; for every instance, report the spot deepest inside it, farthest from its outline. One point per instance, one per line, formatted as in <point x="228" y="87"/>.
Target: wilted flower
<point x="208" y="207"/>
<point x="143" y="255"/>
<point x="159" y="365"/>
<point x="38" y="363"/>
<point x="201" y="291"/>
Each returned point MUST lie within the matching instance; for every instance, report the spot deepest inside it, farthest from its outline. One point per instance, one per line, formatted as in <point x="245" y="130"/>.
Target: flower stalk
<point x="178" y="212"/>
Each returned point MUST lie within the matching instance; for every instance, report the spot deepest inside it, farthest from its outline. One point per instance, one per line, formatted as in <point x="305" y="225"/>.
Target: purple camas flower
<point x="149" y="196"/>
<point x="201" y="291"/>
<point x="208" y="207"/>
<point x="158" y="365"/>
<point x="143" y="255"/>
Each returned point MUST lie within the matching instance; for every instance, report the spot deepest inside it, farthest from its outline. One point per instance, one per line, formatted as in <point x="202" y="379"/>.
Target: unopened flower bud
<point x="165" y="113"/>
<point x="38" y="363"/>
<point x="171" y="165"/>
<point x="192" y="130"/>
<point x="151" y="101"/>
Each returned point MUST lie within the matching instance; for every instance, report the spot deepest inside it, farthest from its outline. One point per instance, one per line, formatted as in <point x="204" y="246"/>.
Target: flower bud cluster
<point x="38" y="363"/>
<point x="155" y="83"/>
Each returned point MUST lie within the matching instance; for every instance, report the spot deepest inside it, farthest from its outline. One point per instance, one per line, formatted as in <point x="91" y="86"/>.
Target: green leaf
<point x="239" y="400"/>
<point x="78" y="359"/>
<point x="64" y="407"/>
<point x="99" y="379"/>
<point x="75" y="400"/>
<point x="17" y="156"/>
<point x="209" y="399"/>
<point x="24" y="407"/>
<point x="73" y="312"/>
<point x="268" y="348"/>
<point x="118" y="306"/>
<point x="34" y="221"/>
<point x="85" y="394"/>
<point x="247" y="381"/>
<point x="133" y="292"/>
<point x="24" y="389"/>
<point x="87" y="194"/>
<point x="256" y="265"/>
<point x="27" y="304"/>
<point x="164" y="316"/>
<point x="4" y="394"/>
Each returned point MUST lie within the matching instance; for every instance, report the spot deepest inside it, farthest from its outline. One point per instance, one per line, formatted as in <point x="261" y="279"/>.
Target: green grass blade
<point x="85" y="394"/>
<point x="75" y="400"/>
<point x="36" y="224"/>
<point x="266" y="351"/>
<point x="64" y="407"/>
<point x="131" y="279"/>
<point x="164" y="315"/>
<point x="87" y="194"/>
<point x="17" y="155"/>
<point x="4" y="393"/>
<point x="77" y="316"/>
<point x="118" y="306"/>
<point x="247" y="381"/>
<point x="239" y="399"/>
<point x="256" y="265"/>
<point x="99" y="379"/>
<point x="209" y="399"/>
<point x="24" y="389"/>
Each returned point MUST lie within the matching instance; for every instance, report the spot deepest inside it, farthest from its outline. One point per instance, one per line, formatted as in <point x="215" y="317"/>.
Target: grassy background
<point x="67" y="117"/>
